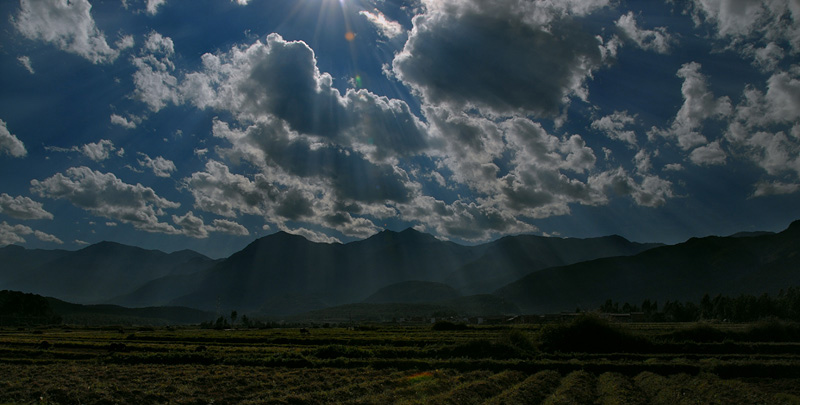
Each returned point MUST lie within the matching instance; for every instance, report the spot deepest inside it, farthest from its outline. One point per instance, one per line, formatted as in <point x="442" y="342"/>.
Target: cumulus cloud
<point x="385" y="27"/>
<point x="657" y="40"/>
<point x="711" y="154"/>
<point x="699" y="104"/>
<point x="160" y="166"/>
<point x="154" y="83"/>
<point x="766" y="125"/>
<point x="9" y="143"/>
<point x="66" y="24"/>
<point x="122" y="121"/>
<point x="530" y="58"/>
<point x="616" y="126"/>
<point x="105" y="195"/>
<point x="152" y="6"/>
<point x="229" y="227"/>
<point x="278" y="79"/>
<point x="766" y="188"/>
<point x="14" y="234"/>
<point x="744" y="21"/>
<point x="651" y="191"/>
<point x="98" y="151"/>
<point x="25" y="62"/>
<point x="22" y="208"/>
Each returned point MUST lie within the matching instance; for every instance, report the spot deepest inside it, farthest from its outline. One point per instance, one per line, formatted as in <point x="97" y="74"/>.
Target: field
<point x="518" y="364"/>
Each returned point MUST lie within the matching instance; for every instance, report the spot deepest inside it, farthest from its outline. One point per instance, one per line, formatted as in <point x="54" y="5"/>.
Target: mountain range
<point x="284" y="274"/>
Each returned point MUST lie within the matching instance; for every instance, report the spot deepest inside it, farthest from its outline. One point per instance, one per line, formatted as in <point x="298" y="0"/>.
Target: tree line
<point x="741" y="308"/>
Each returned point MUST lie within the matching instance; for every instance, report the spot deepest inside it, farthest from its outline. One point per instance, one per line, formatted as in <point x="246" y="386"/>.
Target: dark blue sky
<point x="180" y="124"/>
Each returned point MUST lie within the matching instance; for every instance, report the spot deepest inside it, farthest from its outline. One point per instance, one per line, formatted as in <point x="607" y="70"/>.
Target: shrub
<point x="773" y="330"/>
<point x="700" y="333"/>
<point x="590" y="334"/>
<point x="446" y="325"/>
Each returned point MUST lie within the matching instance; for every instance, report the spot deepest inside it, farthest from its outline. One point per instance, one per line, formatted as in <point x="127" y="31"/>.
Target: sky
<point x="188" y="124"/>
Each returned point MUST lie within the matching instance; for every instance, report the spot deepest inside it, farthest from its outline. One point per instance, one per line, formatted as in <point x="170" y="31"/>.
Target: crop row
<point x="188" y="384"/>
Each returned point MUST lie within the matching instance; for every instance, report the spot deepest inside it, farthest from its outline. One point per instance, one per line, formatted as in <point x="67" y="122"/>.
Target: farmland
<point x="663" y="363"/>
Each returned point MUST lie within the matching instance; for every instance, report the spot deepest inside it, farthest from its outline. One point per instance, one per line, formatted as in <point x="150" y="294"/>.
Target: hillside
<point x="686" y="271"/>
<point x="413" y="291"/>
<point x="101" y="271"/>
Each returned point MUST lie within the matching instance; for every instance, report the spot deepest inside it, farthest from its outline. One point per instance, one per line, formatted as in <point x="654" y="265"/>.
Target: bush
<point x="700" y="333"/>
<point x="590" y="334"/>
<point x="446" y="325"/>
<point x="773" y="330"/>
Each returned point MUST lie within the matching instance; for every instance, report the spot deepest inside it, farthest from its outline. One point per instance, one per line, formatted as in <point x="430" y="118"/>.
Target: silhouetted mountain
<point x="513" y="257"/>
<point x="687" y="271"/>
<point x="18" y="261"/>
<point x="101" y="271"/>
<point x="413" y="292"/>
<point x="17" y="308"/>
<point x="281" y="264"/>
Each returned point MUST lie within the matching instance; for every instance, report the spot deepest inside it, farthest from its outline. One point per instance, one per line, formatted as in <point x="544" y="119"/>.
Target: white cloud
<point x="657" y="40"/>
<point x="616" y="126"/>
<point x="387" y="28"/>
<point x="105" y="195"/>
<point x="699" y="105"/>
<point x="14" y="234"/>
<point x="160" y="166"/>
<point x="766" y="188"/>
<point x="98" y="151"/>
<point x="229" y="227"/>
<point x="9" y="144"/>
<point x="711" y="154"/>
<point x="766" y="125"/>
<point x="124" y="122"/>
<point x="22" y="208"/>
<point x="753" y="20"/>
<point x="152" y="6"/>
<point x="66" y="24"/>
<point x="46" y="237"/>
<point x="25" y="62"/>
<point x="154" y="83"/>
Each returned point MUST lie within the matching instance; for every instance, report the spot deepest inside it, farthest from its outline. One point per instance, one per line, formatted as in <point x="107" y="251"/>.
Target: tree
<point x="233" y="317"/>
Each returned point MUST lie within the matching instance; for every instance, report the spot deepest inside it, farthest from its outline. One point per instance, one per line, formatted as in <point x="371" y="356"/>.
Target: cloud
<point x="46" y="237"/>
<point x="124" y="122"/>
<point x="153" y="80"/>
<point x="385" y="27"/>
<point x="22" y="208"/>
<point x="98" y="151"/>
<point x="711" y="154"/>
<point x="160" y="166"/>
<point x="742" y="21"/>
<point x="279" y="80"/>
<point x="651" y="191"/>
<point x="105" y="195"/>
<point x="14" y="234"/>
<point x="227" y="194"/>
<point x="699" y="104"/>
<point x="616" y="126"/>
<point x="766" y="125"/>
<point x="530" y="57"/>
<point x="25" y="62"/>
<point x="9" y="144"/>
<point x="68" y="25"/>
<point x="766" y="188"/>
<point x="657" y="40"/>
<point x="152" y="6"/>
<point x="229" y="227"/>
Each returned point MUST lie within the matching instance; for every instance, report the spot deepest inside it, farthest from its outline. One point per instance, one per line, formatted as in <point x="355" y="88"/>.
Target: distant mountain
<point x="281" y="264"/>
<point x="513" y="257"/>
<point x="18" y="261"/>
<point x="686" y="271"/>
<point x="413" y="291"/>
<point x="17" y="308"/>
<point x="98" y="272"/>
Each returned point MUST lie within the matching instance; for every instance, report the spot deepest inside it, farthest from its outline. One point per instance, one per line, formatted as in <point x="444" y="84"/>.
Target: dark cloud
<point x="496" y="60"/>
